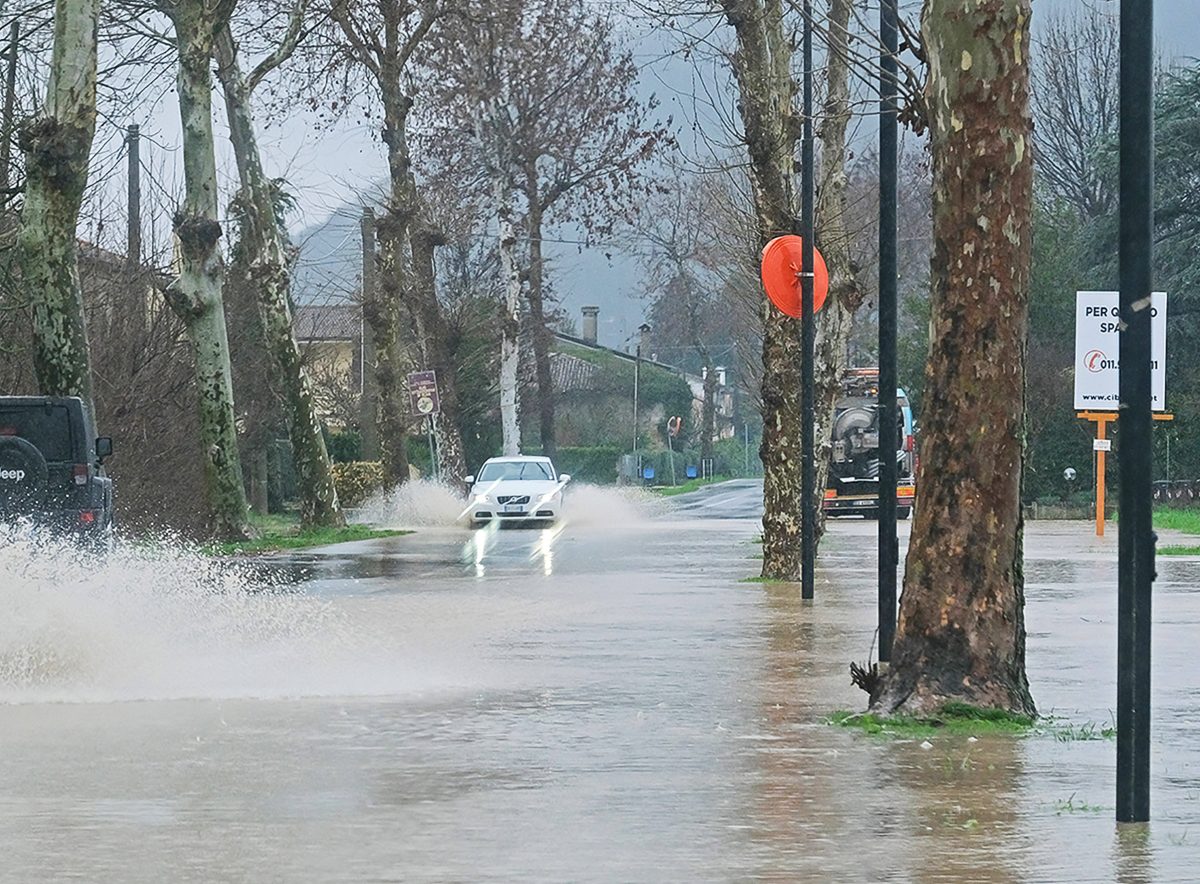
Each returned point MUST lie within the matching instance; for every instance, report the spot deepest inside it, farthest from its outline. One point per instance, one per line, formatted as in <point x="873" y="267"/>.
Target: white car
<point x="516" y="489"/>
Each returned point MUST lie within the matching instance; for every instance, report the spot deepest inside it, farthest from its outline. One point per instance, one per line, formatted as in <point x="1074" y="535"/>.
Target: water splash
<point x="162" y="621"/>
<point x="420" y="503"/>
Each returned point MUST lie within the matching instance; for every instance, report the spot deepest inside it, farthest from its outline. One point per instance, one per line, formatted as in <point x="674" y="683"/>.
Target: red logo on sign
<point x="1094" y="360"/>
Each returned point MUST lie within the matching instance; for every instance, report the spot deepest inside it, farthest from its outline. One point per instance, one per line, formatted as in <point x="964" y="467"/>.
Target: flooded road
<point x="604" y="702"/>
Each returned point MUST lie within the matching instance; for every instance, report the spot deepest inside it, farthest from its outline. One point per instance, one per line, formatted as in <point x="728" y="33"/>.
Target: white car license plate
<point x="514" y="508"/>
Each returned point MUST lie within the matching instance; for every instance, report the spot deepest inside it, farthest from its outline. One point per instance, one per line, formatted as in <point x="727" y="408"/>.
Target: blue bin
<point x="693" y="472"/>
<point x="647" y="473"/>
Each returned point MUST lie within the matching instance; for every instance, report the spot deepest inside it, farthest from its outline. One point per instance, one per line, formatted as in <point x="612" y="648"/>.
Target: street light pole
<point x="1135" y="546"/>
<point x="888" y="543"/>
<point x="808" y="329"/>
<point x="637" y="371"/>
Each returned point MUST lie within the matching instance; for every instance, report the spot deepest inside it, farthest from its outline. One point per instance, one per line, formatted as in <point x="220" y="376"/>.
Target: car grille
<point x="511" y="499"/>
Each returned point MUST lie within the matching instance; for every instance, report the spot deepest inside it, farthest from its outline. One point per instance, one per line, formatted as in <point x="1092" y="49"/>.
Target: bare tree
<point x="380" y="40"/>
<point x="961" y="633"/>
<point x="196" y="295"/>
<point x="57" y="147"/>
<point x="1075" y="90"/>
<point x="266" y="265"/>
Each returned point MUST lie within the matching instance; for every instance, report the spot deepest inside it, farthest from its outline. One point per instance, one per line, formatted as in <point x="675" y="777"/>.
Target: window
<point x="519" y="470"/>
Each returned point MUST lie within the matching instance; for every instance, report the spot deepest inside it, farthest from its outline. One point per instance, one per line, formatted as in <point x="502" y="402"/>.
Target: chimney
<point x="591" y="324"/>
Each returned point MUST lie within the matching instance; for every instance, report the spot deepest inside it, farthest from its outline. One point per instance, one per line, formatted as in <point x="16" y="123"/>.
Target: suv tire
<point x="24" y="475"/>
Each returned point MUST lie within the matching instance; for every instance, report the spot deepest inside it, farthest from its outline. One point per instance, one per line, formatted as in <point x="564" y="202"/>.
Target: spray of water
<point x="162" y="621"/>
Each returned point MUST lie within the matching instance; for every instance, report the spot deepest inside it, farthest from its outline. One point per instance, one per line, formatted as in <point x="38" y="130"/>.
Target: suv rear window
<point x="47" y="428"/>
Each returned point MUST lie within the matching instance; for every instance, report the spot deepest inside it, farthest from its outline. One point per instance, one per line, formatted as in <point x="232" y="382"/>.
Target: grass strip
<point x="282" y="531"/>
<point x="961" y="719"/>
<point x="1186" y="521"/>
<point x="686" y="487"/>
<point x="954" y="718"/>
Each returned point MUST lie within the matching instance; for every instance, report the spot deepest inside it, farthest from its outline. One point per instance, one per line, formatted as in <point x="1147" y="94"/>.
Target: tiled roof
<point x="568" y="373"/>
<point x="328" y="322"/>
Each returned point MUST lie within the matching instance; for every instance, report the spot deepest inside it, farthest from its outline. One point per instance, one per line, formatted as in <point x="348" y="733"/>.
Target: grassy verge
<point x="1185" y="521"/>
<point x="282" y="531"/>
<point x="959" y="719"/>
<point x="685" y="487"/>
<point x="955" y="718"/>
<point x="1179" y="550"/>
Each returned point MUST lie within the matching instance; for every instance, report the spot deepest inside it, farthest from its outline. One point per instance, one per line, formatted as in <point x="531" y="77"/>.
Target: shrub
<point x="345" y="446"/>
<point x="595" y="464"/>
<point x="357" y="480"/>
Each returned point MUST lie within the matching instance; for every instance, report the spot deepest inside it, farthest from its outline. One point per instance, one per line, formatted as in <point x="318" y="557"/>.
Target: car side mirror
<point x="470" y="480"/>
<point x="104" y="448"/>
<point x="564" y="478"/>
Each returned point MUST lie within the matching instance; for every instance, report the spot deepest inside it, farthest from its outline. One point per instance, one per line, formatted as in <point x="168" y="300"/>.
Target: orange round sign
<point x="781" y="262"/>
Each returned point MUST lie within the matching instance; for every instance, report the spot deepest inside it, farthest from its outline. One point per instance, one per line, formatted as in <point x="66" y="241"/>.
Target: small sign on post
<point x="423" y="393"/>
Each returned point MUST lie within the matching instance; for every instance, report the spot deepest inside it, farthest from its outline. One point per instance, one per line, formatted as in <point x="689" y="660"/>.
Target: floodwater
<point x="605" y="701"/>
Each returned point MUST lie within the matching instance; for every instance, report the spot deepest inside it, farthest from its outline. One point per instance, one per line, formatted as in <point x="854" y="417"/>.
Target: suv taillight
<point x="909" y="442"/>
<point x="80" y="472"/>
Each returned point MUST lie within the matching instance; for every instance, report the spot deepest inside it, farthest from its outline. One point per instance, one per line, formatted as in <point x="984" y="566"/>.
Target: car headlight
<point x="482" y="498"/>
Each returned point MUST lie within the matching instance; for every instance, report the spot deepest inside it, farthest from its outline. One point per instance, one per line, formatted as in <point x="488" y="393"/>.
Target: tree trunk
<point x="961" y="632"/>
<point x="542" y="337"/>
<point x="835" y="322"/>
<point x="771" y="126"/>
<point x="510" y="324"/>
<point x="196" y="295"/>
<point x="434" y="334"/>
<point x="57" y="149"/>
<point x="382" y="314"/>
<point x="270" y="279"/>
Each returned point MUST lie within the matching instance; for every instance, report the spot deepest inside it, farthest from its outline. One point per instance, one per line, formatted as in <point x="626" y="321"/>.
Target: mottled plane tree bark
<point x="269" y="276"/>
<point x="961" y="632"/>
<point x="57" y="145"/>
<point x="195" y="295"/>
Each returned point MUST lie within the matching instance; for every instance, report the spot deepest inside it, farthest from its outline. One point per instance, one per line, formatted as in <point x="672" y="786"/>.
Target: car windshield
<point x="46" y="427"/>
<point x="508" y="470"/>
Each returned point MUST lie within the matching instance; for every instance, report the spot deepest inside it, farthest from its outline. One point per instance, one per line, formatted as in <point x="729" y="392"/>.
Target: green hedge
<point x="596" y="465"/>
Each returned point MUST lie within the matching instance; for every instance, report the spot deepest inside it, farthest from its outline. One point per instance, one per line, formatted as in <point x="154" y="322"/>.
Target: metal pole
<point x="888" y="544"/>
<point x="434" y="469"/>
<point x="808" y="328"/>
<point x="133" y="240"/>
<point x="746" y="453"/>
<point x="1135" y="566"/>
<point x="637" y="368"/>
<point x="368" y="420"/>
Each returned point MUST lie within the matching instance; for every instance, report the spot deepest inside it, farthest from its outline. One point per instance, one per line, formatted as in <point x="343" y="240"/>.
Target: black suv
<point x="52" y="467"/>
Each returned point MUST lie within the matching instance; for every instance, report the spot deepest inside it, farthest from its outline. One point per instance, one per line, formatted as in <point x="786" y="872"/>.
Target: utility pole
<point x="1135" y="457"/>
<point x="808" y="329"/>
<point x="368" y="420"/>
<point x="637" y="371"/>
<point x="133" y="240"/>
<point x="10" y="96"/>
<point x="889" y="547"/>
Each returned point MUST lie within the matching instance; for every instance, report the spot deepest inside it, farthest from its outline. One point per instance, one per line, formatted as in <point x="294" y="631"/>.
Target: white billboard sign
<point x="1097" y="349"/>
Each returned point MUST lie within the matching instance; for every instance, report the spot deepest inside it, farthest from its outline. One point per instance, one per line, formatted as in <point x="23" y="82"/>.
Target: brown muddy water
<point x="604" y="701"/>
